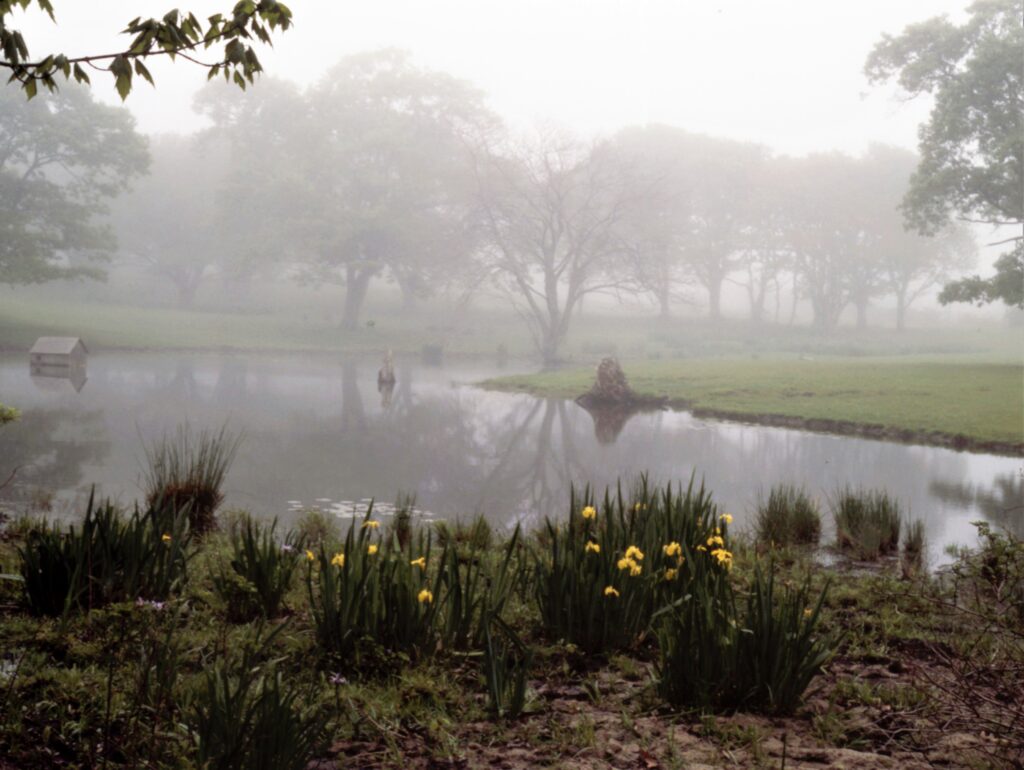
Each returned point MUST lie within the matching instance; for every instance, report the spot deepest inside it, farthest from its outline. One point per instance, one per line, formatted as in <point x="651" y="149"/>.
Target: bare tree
<point x="551" y="209"/>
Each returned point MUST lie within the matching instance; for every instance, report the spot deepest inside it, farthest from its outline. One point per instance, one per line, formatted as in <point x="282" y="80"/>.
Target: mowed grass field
<point x="980" y="400"/>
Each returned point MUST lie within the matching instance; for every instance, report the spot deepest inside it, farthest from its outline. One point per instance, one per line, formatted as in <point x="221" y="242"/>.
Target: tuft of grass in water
<point x="789" y="516"/>
<point x="110" y="558"/>
<point x="912" y="559"/>
<point x="316" y="528"/>
<point x="868" y="522"/>
<point x="261" y="571"/>
<point x="186" y="471"/>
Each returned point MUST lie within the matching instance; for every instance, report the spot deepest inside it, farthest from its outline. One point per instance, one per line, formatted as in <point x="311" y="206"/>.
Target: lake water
<point x="318" y="433"/>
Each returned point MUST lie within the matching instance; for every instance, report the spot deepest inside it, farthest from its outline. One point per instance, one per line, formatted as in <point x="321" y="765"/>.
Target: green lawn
<point x="982" y="401"/>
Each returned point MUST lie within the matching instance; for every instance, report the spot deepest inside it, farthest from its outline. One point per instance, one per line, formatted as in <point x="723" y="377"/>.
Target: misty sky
<point x="787" y="73"/>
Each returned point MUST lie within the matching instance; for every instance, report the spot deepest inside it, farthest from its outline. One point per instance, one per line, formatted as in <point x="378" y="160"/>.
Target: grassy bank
<point x="310" y="321"/>
<point x="982" y="402"/>
<point x="912" y="678"/>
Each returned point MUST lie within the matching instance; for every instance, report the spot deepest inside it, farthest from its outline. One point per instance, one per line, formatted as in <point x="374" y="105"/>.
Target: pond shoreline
<point x="955" y="441"/>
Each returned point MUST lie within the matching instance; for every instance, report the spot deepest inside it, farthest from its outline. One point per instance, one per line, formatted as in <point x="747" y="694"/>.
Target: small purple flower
<point x="337" y="679"/>
<point x="151" y="604"/>
<point x="288" y="548"/>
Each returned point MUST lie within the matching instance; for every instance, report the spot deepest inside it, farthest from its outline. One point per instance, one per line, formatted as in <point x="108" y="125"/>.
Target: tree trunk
<point x="901" y="311"/>
<point x="862" y="313"/>
<point x="664" y="303"/>
<point x="715" y="298"/>
<point x="357" y="281"/>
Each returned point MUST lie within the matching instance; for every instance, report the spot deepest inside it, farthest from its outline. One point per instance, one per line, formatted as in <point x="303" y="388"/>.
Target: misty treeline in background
<point x="384" y="172"/>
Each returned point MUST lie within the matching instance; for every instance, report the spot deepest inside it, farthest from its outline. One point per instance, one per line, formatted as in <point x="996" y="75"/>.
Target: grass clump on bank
<point x="868" y="522"/>
<point x="789" y="516"/>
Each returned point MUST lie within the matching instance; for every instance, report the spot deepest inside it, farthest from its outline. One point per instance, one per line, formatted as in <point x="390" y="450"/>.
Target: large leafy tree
<point x="61" y="158"/>
<point x="176" y="35"/>
<point x="972" y="147"/>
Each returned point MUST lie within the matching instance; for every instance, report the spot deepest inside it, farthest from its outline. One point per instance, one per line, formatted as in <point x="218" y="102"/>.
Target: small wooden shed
<point x="67" y="352"/>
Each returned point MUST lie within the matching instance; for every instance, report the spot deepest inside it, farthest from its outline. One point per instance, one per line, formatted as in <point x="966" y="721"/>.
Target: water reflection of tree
<point x="1002" y="503"/>
<point x="46" y="449"/>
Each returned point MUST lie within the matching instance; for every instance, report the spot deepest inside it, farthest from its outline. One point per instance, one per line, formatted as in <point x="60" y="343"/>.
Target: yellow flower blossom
<point x="371" y="524"/>
<point x="165" y="537"/>
<point x="701" y="548"/>
<point x="589" y="512"/>
<point x="625" y="562"/>
<point x="807" y="612"/>
<point x="310" y="555"/>
<point x="716" y="540"/>
<point x="610" y="591"/>
<point x="672" y="549"/>
<point x="726" y="517"/>
<point x="371" y="549"/>
<point x="635" y="570"/>
<point x="420" y="562"/>
<point x="671" y="574"/>
<point x="425" y="597"/>
<point x="634" y="553"/>
<point x="724" y="557"/>
<point x="338" y="560"/>
<point x="593" y="547"/>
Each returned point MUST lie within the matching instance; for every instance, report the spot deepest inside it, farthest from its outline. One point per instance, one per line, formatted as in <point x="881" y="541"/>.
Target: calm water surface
<point x="318" y="433"/>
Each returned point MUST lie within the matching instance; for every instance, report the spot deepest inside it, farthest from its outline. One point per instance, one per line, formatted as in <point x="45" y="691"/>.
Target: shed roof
<point x="57" y="345"/>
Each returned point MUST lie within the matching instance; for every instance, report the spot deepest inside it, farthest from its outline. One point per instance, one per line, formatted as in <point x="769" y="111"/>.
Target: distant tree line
<point x="388" y="171"/>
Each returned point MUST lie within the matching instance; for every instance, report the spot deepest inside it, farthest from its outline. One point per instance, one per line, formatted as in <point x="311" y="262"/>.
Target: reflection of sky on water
<point x="317" y="431"/>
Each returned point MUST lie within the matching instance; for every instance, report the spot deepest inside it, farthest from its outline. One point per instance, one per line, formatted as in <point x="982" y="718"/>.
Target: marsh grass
<point x="868" y="522"/>
<point x="592" y="592"/>
<point x="261" y="571"/>
<point x="716" y="651"/>
<point x="247" y="717"/>
<point x="186" y="471"/>
<point x="789" y="516"/>
<point x="506" y="668"/>
<point x="109" y="558"/>
<point x="373" y="593"/>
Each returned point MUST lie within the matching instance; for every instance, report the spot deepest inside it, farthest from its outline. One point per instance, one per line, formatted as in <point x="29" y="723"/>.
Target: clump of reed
<point x="111" y="557"/>
<point x="716" y="651"/>
<point x="261" y="570"/>
<point x="374" y="593"/>
<point x="247" y="716"/>
<point x="868" y="522"/>
<point x="186" y="471"/>
<point x="912" y="558"/>
<point x="600" y="577"/>
<point x="789" y="516"/>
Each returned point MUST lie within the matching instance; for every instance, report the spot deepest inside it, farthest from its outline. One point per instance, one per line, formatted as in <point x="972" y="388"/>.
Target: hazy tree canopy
<point x="61" y="158"/>
<point x="170" y="222"/>
<point x="1006" y="285"/>
<point x="176" y="34"/>
<point x="369" y="173"/>
<point x="972" y="147"/>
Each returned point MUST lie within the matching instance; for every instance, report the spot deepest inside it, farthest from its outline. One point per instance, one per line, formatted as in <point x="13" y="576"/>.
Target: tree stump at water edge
<point x="610" y="385"/>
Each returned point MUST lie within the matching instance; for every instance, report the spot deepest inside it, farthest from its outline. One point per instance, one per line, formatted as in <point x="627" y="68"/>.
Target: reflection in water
<point x="1002" y="502"/>
<point x="609" y="419"/>
<point x="309" y="434"/>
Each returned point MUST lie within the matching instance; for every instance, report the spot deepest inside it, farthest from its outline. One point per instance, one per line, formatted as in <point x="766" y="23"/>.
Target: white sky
<point x="787" y="73"/>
